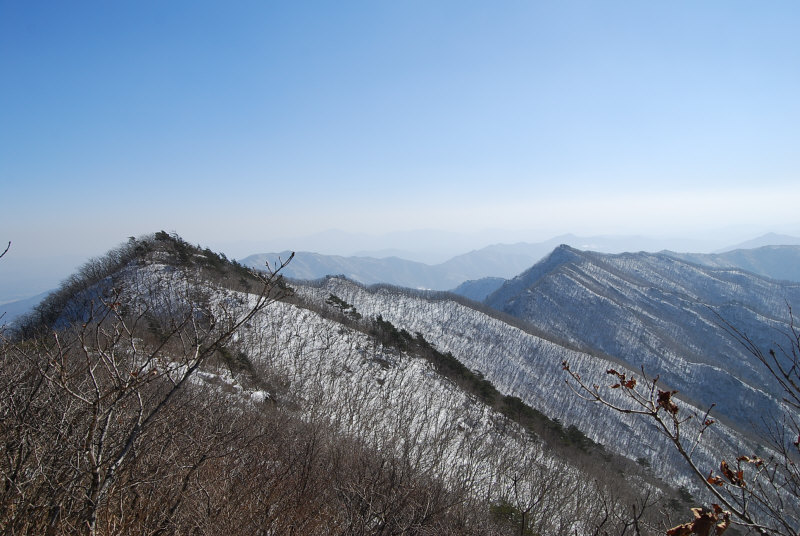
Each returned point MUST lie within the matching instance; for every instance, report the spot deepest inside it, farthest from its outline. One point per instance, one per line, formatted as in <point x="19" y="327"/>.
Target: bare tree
<point x="761" y="494"/>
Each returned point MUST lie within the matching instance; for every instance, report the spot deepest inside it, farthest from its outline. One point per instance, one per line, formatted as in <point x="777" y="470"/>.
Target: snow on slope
<point x="664" y="314"/>
<point x="328" y="372"/>
<point x="529" y="366"/>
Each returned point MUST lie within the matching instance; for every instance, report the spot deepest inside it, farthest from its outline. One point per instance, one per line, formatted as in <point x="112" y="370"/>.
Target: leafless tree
<point x="761" y="494"/>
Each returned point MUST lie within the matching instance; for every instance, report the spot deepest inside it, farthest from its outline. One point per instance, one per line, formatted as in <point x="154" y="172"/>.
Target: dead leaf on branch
<point x="737" y="478"/>
<point x="755" y="460"/>
<point x="623" y="380"/>
<point x="715" y="480"/>
<point x="665" y="401"/>
<point x="704" y="522"/>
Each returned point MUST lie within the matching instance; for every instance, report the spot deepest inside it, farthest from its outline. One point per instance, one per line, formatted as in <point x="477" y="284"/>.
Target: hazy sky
<point x="239" y="123"/>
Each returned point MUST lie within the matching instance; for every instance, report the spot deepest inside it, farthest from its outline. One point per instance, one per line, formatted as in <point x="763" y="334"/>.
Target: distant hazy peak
<point x="769" y="239"/>
<point x="780" y="262"/>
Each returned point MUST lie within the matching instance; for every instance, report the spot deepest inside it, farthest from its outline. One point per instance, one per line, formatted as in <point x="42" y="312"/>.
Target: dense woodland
<point x="167" y="390"/>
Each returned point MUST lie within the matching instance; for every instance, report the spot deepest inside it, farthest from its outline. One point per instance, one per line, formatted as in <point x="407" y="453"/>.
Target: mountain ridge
<point x="504" y="261"/>
<point x="660" y="312"/>
<point x="768" y="239"/>
<point x="780" y="262"/>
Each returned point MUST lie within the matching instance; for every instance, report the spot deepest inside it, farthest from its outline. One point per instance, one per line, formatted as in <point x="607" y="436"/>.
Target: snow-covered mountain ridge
<point x="521" y="363"/>
<point x="664" y="314"/>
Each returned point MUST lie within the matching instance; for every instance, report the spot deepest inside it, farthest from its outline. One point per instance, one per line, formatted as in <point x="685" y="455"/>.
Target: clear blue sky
<point x="249" y="121"/>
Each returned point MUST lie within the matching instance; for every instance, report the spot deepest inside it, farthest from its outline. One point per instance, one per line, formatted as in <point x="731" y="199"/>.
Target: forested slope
<point x="665" y="314"/>
<point x="166" y="390"/>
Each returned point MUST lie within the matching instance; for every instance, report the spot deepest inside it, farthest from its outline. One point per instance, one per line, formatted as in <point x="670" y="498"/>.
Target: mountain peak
<point x="560" y="256"/>
<point x="565" y="249"/>
<point x="769" y="239"/>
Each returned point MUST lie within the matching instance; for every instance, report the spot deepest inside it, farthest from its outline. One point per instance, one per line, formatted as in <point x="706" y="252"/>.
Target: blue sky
<point x="240" y="124"/>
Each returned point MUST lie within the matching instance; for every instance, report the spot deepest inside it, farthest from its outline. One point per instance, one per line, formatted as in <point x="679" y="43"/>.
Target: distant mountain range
<point x="777" y="262"/>
<point x="480" y="272"/>
<point x="503" y="261"/>
<point x="769" y="239"/>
